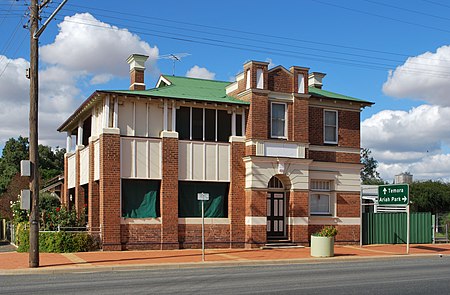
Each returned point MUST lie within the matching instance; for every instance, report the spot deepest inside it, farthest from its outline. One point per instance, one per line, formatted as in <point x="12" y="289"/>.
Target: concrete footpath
<point x="17" y="263"/>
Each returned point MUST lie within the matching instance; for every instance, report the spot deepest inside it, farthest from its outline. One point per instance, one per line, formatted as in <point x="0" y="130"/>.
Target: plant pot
<point x="322" y="246"/>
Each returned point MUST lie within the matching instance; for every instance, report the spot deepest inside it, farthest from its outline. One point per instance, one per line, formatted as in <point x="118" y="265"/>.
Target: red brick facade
<point x="245" y="224"/>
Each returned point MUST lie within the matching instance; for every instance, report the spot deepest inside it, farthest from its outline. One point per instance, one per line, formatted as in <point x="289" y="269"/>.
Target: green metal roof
<point x="189" y="89"/>
<point x="328" y="94"/>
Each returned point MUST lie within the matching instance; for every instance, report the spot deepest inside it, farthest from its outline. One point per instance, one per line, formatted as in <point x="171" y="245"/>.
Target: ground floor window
<point x="140" y="198"/>
<point x="189" y="206"/>
<point x="320" y="204"/>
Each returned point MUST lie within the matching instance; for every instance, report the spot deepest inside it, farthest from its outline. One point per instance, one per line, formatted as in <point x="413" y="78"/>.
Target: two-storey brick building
<point x="278" y="155"/>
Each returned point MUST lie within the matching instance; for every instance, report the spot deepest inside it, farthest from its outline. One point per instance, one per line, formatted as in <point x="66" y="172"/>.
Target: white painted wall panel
<point x="210" y="161"/>
<point x="71" y="171"/>
<point x="96" y="160"/>
<point x="272" y="149"/>
<point x="126" y="158"/>
<point x="198" y="161"/>
<point x="155" y="159"/>
<point x="141" y="118"/>
<point x="84" y="166"/>
<point x="140" y="158"/>
<point x="224" y="162"/>
<point x="155" y="120"/>
<point x="126" y="118"/>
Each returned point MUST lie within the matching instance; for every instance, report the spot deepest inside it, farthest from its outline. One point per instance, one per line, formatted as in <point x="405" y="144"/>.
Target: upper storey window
<point x="278" y="120"/>
<point x="330" y="127"/>
<point x="206" y="124"/>
<point x="259" y="79"/>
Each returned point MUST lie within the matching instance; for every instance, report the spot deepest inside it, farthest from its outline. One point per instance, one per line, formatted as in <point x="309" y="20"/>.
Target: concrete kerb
<point x="206" y="264"/>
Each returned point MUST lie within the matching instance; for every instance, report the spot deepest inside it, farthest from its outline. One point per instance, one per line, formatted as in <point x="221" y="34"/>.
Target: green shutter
<point x="189" y="206"/>
<point x="140" y="198"/>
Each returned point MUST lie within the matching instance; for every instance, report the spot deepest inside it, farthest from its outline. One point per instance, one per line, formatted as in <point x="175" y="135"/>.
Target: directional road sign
<point x="393" y="194"/>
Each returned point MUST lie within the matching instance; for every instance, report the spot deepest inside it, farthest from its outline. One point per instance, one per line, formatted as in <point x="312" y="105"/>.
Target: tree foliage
<point x="51" y="162"/>
<point x="369" y="173"/>
<point x="430" y="196"/>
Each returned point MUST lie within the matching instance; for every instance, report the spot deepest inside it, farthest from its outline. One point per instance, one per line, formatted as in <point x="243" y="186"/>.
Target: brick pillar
<point x="300" y="120"/>
<point x="79" y="192"/>
<point x="298" y="216"/>
<point x="169" y="191"/>
<point x="93" y="201"/>
<point x="236" y="202"/>
<point x="109" y="189"/>
<point x="256" y="218"/>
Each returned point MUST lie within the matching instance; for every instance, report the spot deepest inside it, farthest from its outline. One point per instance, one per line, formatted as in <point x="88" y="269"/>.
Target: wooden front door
<point x="276" y="228"/>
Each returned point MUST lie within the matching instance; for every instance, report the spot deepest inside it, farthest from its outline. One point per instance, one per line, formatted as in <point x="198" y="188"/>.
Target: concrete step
<point x="281" y="244"/>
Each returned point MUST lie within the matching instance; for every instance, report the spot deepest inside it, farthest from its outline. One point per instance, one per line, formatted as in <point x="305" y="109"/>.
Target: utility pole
<point x="33" y="121"/>
<point x="35" y="32"/>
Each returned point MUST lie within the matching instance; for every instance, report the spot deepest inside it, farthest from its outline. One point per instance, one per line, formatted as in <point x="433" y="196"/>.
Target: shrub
<point x="327" y="231"/>
<point x="56" y="242"/>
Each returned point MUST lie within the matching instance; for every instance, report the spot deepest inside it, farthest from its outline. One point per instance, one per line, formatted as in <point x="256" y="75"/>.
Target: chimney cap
<point x="315" y="79"/>
<point x="137" y="61"/>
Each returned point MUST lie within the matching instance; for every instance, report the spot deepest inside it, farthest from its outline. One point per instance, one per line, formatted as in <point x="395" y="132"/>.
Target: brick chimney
<point x="137" y="68"/>
<point x="315" y="79"/>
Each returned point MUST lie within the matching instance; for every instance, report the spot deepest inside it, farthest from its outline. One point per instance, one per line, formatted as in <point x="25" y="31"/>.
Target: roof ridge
<point x="191" y="78"/>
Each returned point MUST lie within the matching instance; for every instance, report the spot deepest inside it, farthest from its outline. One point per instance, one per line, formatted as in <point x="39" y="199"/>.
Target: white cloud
<point x="409" y="141"/>
<point x="87" y="44"/>
<point x="79" y="57"/>
<point x="424" y="77"/>
<point x="101" y="79"/>
<point x="202" y="73"/>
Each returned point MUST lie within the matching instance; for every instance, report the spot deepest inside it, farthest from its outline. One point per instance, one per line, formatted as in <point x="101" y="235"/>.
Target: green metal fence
<point x="390" y="228"/>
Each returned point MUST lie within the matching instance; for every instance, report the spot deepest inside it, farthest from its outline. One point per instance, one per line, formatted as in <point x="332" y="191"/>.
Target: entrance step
<point x="281" y="244"/>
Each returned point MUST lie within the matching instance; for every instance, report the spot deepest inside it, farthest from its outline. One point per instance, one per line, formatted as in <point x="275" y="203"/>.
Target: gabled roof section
<point x="189" y="89"/>
<point x="332" y="95"/>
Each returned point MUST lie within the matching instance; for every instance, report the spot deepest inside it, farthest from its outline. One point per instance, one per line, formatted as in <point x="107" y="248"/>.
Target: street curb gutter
<point x="206" y="264"/>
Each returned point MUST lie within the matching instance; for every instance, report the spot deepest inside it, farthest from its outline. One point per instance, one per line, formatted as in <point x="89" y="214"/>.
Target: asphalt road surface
<point x="425" y="275"/>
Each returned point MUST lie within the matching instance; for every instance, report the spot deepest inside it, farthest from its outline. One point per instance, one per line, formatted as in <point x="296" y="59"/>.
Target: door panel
<point x="275" y="215"/>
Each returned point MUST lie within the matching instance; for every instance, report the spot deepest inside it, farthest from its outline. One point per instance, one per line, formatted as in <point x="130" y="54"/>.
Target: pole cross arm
<point x="41" y="30"/>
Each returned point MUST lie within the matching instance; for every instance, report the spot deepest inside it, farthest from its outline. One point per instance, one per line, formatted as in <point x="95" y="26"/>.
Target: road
<point x="423" y="275"/>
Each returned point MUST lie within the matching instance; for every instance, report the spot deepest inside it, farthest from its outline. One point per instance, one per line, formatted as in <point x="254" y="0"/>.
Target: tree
<point x="13" y="152"/>
<point x="430" y="196"/>
<point x="51" y="163"/>
<point x="369" y="173"/>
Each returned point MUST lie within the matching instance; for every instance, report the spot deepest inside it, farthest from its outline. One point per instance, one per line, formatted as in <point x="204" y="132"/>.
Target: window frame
<point x="321" y="187"/>
<point x="284" y="136"/>
<point x="320" y="194"/>
<point x="336" y="126"/>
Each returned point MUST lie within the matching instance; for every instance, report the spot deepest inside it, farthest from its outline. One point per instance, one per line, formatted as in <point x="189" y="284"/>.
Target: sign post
<point x="396" y="195"/>
<point x="203" y="197"/>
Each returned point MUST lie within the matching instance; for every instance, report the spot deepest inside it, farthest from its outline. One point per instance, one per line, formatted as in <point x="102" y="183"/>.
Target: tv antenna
<point x="174" y="57"/>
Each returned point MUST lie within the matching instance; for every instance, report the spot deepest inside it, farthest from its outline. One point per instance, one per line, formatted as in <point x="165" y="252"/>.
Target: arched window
<point x="274" y="182"/>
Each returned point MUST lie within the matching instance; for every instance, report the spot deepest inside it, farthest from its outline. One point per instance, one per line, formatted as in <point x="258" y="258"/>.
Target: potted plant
<point x="322" y="242"/>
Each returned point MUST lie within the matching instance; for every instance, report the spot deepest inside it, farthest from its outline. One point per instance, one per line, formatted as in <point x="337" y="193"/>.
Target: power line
<point x="436" y="3"/>
<point x="408" y="10"/>
<point x="381" y="16"/>
<point x="255" y="34"/>
<point x="267" y="50"/>
<point x="245" y="32"/>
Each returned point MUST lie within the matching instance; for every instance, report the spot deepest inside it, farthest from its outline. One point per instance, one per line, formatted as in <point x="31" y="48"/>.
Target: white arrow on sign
<point x="404" y="199"/>
<point x="384" y="191"/>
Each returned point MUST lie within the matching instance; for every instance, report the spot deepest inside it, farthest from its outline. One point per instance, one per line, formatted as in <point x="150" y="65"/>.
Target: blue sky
<point x="356" y="43"/>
